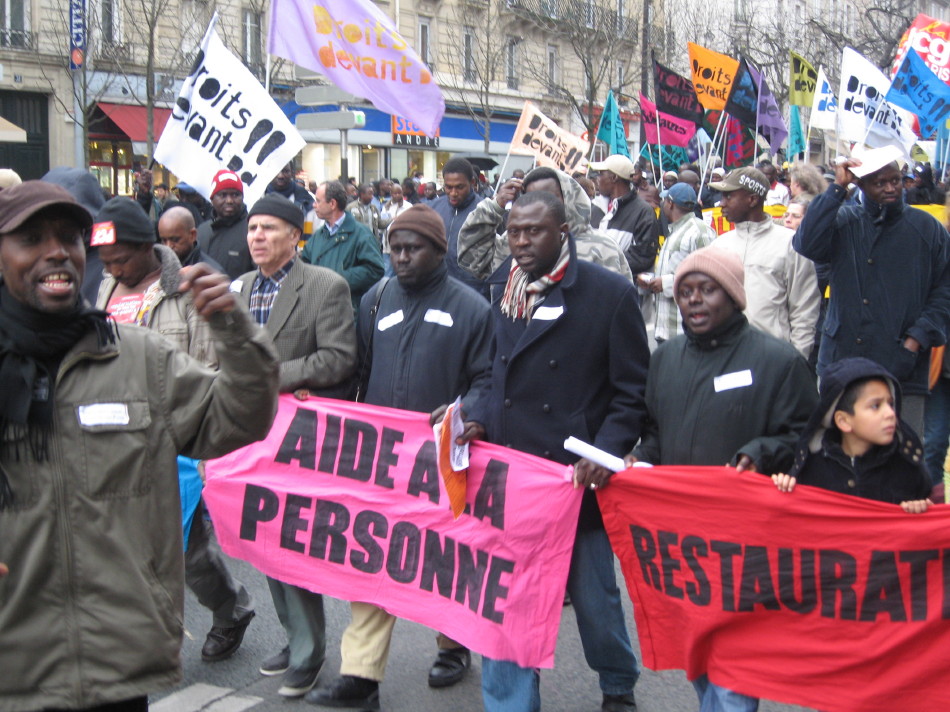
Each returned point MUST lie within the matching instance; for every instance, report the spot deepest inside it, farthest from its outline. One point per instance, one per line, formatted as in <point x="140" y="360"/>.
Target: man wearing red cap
<point x="224" y="237"/>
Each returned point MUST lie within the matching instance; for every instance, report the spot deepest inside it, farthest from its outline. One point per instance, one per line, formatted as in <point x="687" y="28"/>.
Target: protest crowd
<point x="770" y="329"/>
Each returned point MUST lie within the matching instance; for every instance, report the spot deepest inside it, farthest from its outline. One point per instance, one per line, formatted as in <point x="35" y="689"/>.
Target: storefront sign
<point x="406" y="133"/>
<point x="77" y="33"/>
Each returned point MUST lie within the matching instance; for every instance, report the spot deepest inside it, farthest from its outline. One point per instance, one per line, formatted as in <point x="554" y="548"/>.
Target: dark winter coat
<point x="429" y="344"/>
<point x="454" y="217"/>
<point x="695" y="419"/>
<point x="225" y="241"/>
<point x="578" y="367"/>
<point x="889" y="280"/>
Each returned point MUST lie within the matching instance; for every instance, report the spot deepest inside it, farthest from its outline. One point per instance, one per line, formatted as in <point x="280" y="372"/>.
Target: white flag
<point x="824" y="104"/>
<point x="224" y="118"/>
<point x="863" y="115"/>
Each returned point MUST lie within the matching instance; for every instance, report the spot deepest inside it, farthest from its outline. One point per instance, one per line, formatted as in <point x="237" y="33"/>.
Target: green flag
<point x="611" y="128"/>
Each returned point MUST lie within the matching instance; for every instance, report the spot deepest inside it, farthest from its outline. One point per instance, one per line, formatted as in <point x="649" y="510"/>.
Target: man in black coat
<point x="570" y="358"/>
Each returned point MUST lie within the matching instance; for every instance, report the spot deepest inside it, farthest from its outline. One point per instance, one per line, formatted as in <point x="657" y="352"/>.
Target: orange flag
<point x="712" y="74"/>
<point x="455" y="480"/>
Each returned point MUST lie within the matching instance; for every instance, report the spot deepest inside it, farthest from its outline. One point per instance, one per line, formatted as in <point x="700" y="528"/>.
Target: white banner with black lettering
<point x="224" y="118"/>
<point x="863" y="115"/>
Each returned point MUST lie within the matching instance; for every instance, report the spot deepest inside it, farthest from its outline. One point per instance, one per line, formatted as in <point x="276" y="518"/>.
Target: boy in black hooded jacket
<point x="855" y="442"/>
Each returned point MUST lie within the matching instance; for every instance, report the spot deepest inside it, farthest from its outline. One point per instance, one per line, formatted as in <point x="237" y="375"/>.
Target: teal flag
<point x="611" y="128"/>
<point x="796" y="137"/>
<point x="673" y="156"/>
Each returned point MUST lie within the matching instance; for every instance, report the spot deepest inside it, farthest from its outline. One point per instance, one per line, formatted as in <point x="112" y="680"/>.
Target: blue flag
<point x="917" y="89"/>
<point x="611" y="128"/>
<point x="796" y="137"/>
<point x="943" y="146"/>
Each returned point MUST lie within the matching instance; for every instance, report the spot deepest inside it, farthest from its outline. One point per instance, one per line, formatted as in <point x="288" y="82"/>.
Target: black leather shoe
<point x="619" y="703"/>
<point x="222" y="643"/>
<point x="347" y="691"/>
<point x="450" y="667"/>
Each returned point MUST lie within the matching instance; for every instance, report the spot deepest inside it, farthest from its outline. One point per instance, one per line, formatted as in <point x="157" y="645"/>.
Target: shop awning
<point x="133" y="120"/>
<point x="10" y="132"/>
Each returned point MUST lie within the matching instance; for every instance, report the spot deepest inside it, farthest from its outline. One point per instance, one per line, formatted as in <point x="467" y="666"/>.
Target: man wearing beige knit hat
<point x="723" y="393"/>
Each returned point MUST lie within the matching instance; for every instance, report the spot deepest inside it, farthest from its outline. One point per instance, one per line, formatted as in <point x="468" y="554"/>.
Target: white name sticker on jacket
<point x="104" y="414"/>
<point x="547" y="313"/>
<point x="437" y="316"/>
<point x="390" y="320"/>
<point x="236" y="285"/>
<point x="728" y="381"/>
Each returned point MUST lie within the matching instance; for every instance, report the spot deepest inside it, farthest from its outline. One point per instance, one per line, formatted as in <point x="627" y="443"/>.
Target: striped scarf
<point x="520" y="294"/>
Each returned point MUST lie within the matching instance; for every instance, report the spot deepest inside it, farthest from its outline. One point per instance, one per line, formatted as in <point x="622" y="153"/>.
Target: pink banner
<point x="345" y="499"/>
<point x="673" y="131"/>
<point x="357" y="48"/>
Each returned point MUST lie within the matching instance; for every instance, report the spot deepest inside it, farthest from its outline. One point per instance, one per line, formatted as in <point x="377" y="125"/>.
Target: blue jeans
<point x="592" y="585"/>
<point x="713" y="698"/>
<point x="937" y="428"/>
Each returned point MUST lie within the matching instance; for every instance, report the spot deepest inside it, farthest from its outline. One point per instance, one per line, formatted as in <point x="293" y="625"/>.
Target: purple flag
<point x="357" y="48"/>
<point x="769" y="117"/>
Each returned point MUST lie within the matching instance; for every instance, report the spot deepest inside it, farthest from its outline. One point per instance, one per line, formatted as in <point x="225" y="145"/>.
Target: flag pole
<point x="659" y="143"/>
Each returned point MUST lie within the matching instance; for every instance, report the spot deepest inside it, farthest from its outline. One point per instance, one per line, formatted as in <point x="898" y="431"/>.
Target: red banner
<point x="346" y="499"/>
<point x="811" y="598"/>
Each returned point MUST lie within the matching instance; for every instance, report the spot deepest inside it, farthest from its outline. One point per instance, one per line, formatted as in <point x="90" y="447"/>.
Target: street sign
<point x="322" y="95"/>
<point x="331" y="120"/>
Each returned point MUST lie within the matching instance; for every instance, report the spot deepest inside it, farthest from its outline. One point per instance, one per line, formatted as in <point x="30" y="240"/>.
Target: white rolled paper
<point x="595" y="455"/>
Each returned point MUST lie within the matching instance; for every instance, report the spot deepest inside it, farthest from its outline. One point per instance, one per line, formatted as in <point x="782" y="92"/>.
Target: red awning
<point x="133" y="120"/>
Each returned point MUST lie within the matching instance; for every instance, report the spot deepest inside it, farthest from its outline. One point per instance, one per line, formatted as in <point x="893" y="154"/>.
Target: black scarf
<point x="32" y="343"/>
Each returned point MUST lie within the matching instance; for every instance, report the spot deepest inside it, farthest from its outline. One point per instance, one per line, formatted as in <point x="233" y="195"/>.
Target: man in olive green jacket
<point x="91" y="602"/>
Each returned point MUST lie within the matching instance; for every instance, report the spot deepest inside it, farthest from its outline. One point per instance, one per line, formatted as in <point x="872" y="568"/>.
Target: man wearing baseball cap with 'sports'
<point x="92" y="418"/>
<point x="224" y="237"/>
<point x="781" y="285"/>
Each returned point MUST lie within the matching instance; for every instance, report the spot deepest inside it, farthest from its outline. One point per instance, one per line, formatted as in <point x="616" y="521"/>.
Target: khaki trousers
<point x="365" y="644"/>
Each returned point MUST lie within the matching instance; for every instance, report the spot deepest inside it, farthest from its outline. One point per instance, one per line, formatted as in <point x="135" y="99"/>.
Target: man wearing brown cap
<point x="424" y="341"/>
<point x="307" y="311"/>
<point x="781" y="285"/>
<point x="142" y="287"/>
<point x="92" y="597"/>
<point x="722" y="394"/>
<point x="224" y="237"/>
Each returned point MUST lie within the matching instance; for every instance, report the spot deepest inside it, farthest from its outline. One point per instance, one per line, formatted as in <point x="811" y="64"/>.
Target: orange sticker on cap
<point x="102" y="234"/>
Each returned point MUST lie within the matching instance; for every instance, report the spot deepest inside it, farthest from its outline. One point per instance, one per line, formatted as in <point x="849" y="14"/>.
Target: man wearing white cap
<point x="629" y="220"/>
<point x="890" y="275"/>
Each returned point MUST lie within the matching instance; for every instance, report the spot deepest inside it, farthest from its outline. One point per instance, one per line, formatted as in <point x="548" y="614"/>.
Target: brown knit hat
<point x="721" y="265"/>
<point x="425" y="221"/>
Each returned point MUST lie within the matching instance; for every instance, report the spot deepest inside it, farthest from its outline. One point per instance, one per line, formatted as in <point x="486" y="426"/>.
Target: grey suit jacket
<point x="312" y="326"/>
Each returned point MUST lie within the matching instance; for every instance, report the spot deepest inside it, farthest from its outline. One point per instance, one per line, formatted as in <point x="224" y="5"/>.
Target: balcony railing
<point x="17" y="39"/>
